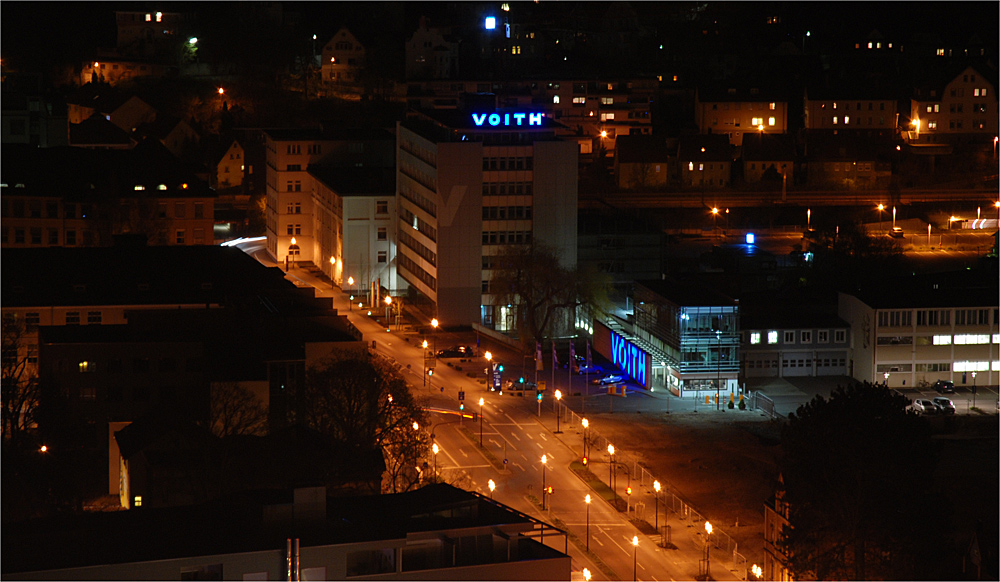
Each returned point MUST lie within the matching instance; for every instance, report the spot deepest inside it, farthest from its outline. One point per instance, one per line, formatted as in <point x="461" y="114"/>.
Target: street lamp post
<point x="586" y="425"/>
<point x="388" y="304"/>
<point x="708" y="551"/>
<point x="587" y="499"/>
<point x="973" y="389"/>
<point x="350" y="286"/>
<point x="611" y="467"/>
<point x="656" y="504"/>
<point x="435" y="448"/>
<point x="545" y="460"/>
<point x="880" y="207"/>
<point x="886" y="376"/>
<point x="492" y="486"/>
<point x="558" y="409"/>
<point x="635" y="547"/>
<point x="489" y="359"/>
<point x="481" y="402"/>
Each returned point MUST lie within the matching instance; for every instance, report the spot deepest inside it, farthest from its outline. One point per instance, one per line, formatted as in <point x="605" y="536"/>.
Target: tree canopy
<point x="857" y="472"/>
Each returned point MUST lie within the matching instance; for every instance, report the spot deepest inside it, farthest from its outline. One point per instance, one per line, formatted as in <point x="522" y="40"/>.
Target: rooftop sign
<point x="507" y="119"/>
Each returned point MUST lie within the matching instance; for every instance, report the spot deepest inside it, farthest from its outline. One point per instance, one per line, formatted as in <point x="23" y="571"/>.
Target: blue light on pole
<point x="491" y="23"/>
<point x="750" y="238"/>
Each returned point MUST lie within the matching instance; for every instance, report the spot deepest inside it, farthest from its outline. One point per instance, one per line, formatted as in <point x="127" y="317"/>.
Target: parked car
<point x="610" y="379"/>
<point x="514" y="385"/>
<point x="456" y="352"/>
<point x="592" y="369"/>
<point x="896" y="232"/>
<point x="577" y="361"/>
<point x="944" y="387"/>
<point x="945" y="405"/>
<point x="925" y="407"/>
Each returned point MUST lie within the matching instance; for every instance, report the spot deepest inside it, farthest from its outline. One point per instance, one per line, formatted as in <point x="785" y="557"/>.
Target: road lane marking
<point x="543" y="437"/>
<point x="514" y="434"/>
<point x="518" y="466"/>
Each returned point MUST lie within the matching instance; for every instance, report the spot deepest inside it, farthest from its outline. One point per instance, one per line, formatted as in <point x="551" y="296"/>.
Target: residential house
<point x="229" y="167"/>
<point x="959" y="108"/>
<point x="846" y="160"/>
<point x="431" y="53"/>
<point x="28" y="115"/>
<point x="768" y="156"/>
<point x="843" y="107"/>
<point x="343" y="59"/>
<point x="644" y="162"/>
<point x="175" y="134"/>
<point x="114" y="70"/>
<point x="705" y="161"/>
<point x="99" y="133"/>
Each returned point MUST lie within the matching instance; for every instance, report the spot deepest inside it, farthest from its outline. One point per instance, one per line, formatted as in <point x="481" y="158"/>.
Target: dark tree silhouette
<point x="857" y="473"/>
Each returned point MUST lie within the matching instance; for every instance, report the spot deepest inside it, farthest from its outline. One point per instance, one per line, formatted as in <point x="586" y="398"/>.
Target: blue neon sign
<point x="498" y="119"/>
<point x="629" y="358"/>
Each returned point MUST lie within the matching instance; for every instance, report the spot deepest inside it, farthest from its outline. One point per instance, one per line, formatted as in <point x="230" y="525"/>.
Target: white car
<point x="925" y="407"/>
<point x="610" y="379"/>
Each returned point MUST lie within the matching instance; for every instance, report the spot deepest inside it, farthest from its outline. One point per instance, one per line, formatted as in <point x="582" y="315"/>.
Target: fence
<point x="667" y="497"/>
<point x="762" y="402"/>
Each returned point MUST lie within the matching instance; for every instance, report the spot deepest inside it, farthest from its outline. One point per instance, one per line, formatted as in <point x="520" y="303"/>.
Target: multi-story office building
<point x="783" y="342"/>
<point x="469" y="184"/>
<point x="685" y="338"/>
<point x="922" y="329"/>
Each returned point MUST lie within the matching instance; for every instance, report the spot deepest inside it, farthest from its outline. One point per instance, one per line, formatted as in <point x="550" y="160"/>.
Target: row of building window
<point x="508" y="163"/>
<point x="507" y="237"/>
<point x="750" y="106"/>
<point x="805" y="337"/>
<point x="857" y="107"/>
<point x="506" y="213"/>
<point x="961" y="339"/>
<point x="136" y="365"/>
<point x="418" y="224"/>
<point x="965" y="366"/>
<point x="408" y="264"/>
<point x="407" y="240"/>
<point x="930" y="317"/>
<point x="847" y="120"/>
<point x="33" y="236"/>
<point x="797" y="363"/>
<point x="504" y="188"/>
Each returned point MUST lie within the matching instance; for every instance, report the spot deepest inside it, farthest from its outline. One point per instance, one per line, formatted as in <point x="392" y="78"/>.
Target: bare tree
<point x="20" y="386"/>
<point x="531" y="278"/>
<point x="236" y="411"/>
<point x="361" y="401"/>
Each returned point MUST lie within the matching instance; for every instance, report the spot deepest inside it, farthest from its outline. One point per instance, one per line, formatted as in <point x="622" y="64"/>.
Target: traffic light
<point x="430" y="371"/>
<point x="548" y="490"/>
<point x="585" y="461"/>
<point x="461" y="406"/>
<point x="500" y="367"/>
<point x="521" y="380"/>
<point x="538" y="395"/>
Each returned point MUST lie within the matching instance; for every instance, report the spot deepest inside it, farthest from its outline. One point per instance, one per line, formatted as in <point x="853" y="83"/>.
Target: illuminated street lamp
<point x="388" y="304"/>
<point x="545" y="460"/>
<point x="558" y="410"/>
<point x="611" y="466"/>
<point x="708" y="550"/>
<point x="757" y="572"/>
<point x="586" y="425"/>
<point x="656" y="504"/>
<point x="880" y="208"/>
<point x="435" y="448"/>
<point x="586" y="575"/>
<point x="894" y="217"/>
<point x="492" y="486"/>
<point x="635" y="547"/>
<point x="43" y="449"/>
<point x="587" y="499"/>
<point x="416" y="425"/>
<point x="434" y="325"/>
<point x="481" y="402"/>
<point x="489" y="359"/>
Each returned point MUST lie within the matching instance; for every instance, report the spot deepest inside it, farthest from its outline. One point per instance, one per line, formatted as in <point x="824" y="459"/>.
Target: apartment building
<point x="705" y="161"/>
<point x="343" y="59"/>
<point x="295" y="207"/>
<point x="470" y="183"/>
<point x="850" y="108"/>
<point x="735" y="111"/>
<point x="915" y="331"/>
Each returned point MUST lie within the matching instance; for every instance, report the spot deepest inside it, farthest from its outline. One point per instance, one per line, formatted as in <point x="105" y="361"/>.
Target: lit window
<point x="84" y="367"/>
<point x="930" y="109"/>
<point x="149" y="18"/>
<point x="772" y="337"/>
<point x="770" y="121"/>
<point x="579" y="100"/>
<point x="835" y="120"/>
<point x="940" y="52"/>
<point x="847" y="120"/>
<point x="690" y="166"/>
<point x="770" y="106"/>
<point x="755" y="121"/>
<point x="555" y="99"/>
<point x="611" y="100"/>
<point x="931" y="125"/>
<point x="878" y="45"/>
<point x="137" y="501"/>
<point x="755" y="337"/>
<point x="139" y="187"/>
<point x="869" y="45"/>
<point x="701" y="167"/>
<point x="161" y="187"/>
<point x="607" y="116"/>
<point x="942" y="340"/>
<point x="159" y="16"/>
